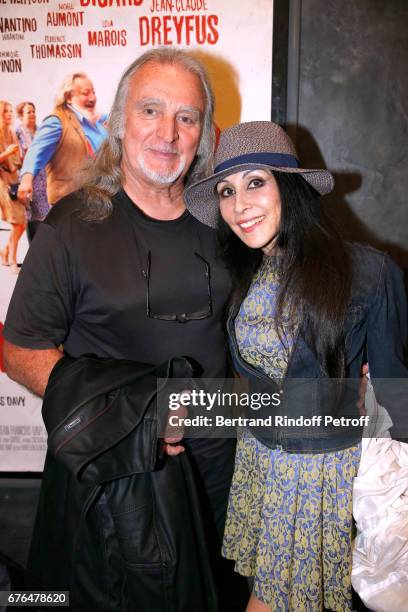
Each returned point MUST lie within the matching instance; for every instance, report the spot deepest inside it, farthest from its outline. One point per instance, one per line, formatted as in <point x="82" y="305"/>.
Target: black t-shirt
<point x="82" y="286"/>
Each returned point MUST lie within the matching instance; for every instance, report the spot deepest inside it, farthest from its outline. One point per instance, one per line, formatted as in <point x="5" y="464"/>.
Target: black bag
<point x="13" y="191"/>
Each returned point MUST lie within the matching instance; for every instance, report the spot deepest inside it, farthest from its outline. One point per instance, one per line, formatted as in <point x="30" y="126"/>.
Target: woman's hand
<point x="8" y="151"/>
<point x="362" y="389"/>
<point x="11" y="149"/>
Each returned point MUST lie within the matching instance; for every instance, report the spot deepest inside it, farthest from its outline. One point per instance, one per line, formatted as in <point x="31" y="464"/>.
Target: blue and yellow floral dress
<point x="289" y="521"/>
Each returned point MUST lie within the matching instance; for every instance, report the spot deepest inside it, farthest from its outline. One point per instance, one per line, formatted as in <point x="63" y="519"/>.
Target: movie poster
<point x="42" y="41"/>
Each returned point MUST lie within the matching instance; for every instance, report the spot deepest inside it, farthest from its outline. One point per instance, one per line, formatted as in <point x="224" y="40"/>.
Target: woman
<point x="39" y="206"/>
<point x="305" y="307"/>
<point x="10" y="162"/>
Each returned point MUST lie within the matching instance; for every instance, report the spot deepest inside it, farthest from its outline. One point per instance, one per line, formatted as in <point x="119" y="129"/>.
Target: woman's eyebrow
<point x="251" y="170"/>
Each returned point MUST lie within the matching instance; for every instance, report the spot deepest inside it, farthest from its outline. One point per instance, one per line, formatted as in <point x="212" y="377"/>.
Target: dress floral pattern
<point x="289" y="521"/>
<point x="39" y="206"/>
<point x="257" y="339"/>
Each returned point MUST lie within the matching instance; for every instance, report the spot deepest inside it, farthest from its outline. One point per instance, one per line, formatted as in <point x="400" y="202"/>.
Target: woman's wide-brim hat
<point x="256" y="144"/>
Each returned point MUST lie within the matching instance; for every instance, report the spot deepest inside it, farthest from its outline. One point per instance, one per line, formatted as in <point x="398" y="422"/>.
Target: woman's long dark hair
<point x="315" y="270"/>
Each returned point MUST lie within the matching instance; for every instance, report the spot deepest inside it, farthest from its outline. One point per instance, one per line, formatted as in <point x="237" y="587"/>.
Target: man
<point x="65" y="140"/>
<point x="122" y="270"/>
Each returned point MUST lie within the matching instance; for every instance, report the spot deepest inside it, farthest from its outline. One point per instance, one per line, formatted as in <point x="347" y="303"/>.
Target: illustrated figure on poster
<point x="120" y="270"/>
<point x="65" y="140"/>
<point x="306" y="305"/>
<point x="12" y="211"/>
<point x="38" y="205"/>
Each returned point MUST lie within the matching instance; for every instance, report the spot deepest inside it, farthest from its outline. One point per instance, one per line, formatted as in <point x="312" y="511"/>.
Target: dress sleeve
<point x="387" y="346"/>
<point x="40" y="311"/>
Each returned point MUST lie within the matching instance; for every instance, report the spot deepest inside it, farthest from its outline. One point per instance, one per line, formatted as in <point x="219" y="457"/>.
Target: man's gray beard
<point x="163" y="178"/>
<point x="89" y="113"/>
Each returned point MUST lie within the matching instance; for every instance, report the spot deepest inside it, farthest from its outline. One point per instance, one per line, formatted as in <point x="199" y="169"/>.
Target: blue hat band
<point x="283" y="160"/>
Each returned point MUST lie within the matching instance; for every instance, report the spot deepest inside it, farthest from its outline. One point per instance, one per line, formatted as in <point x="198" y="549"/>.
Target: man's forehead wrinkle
<point x="163" y="102"/>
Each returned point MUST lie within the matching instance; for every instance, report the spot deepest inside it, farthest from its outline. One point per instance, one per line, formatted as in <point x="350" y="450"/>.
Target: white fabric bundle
<point x="380" y="508"/>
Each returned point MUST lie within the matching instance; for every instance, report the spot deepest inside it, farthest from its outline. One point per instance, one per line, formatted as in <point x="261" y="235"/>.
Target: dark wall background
<point x="352" y="113"/>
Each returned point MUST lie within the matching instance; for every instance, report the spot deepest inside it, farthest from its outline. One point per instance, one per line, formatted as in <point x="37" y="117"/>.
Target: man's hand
<point x="174" y="433"/>
<point x="25" y="190"/>
<point x="171" y="448"/>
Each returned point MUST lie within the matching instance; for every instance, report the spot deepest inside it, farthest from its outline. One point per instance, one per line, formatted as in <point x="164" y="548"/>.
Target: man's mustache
<point x="162" y="149"/>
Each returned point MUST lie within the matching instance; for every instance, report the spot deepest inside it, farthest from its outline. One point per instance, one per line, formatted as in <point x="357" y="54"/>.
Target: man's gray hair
<point x="67" y="87"/>
<point x="104" y="176"/>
